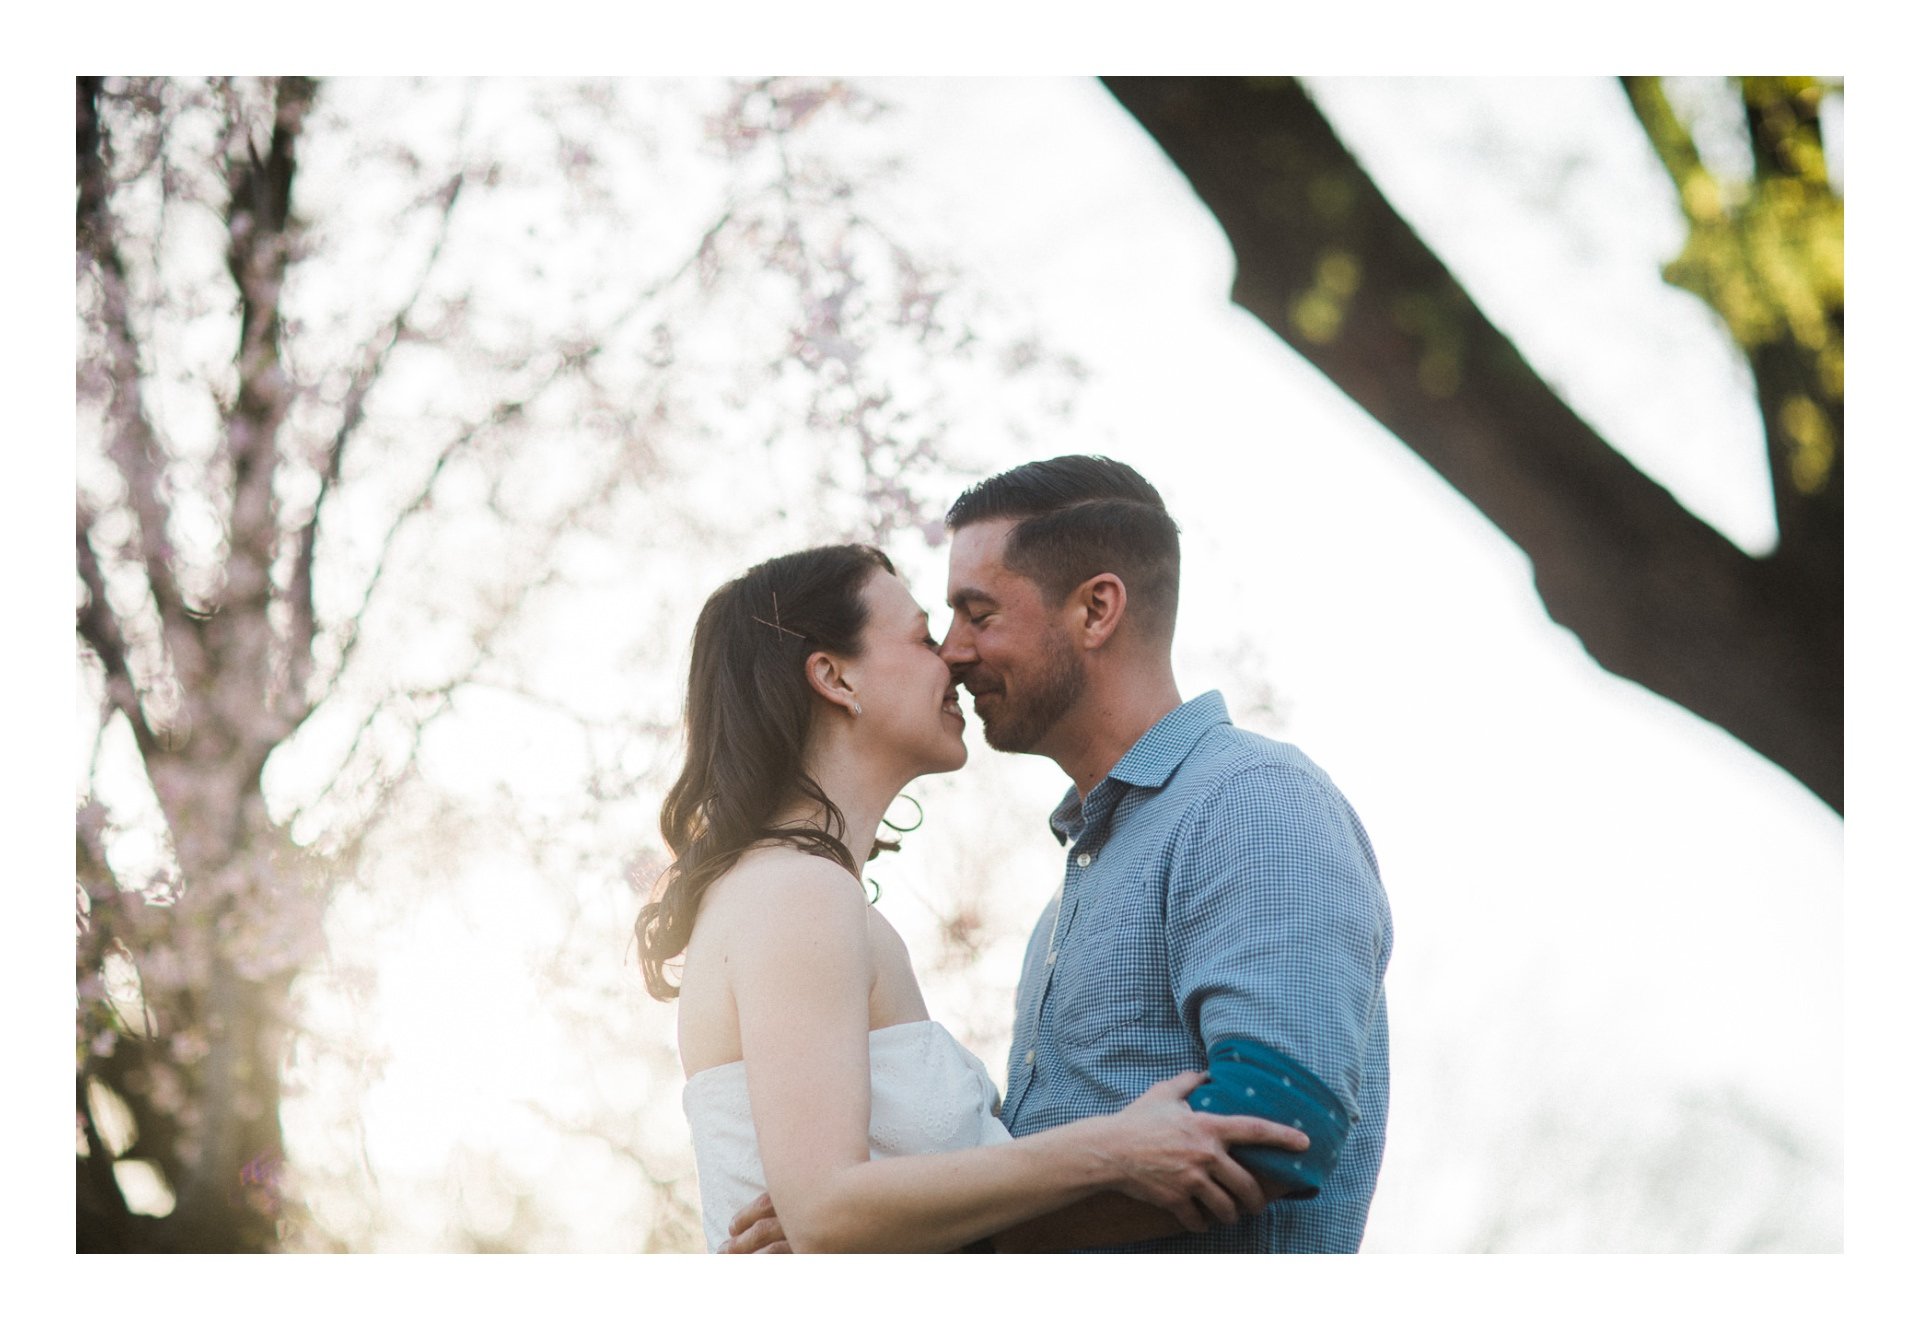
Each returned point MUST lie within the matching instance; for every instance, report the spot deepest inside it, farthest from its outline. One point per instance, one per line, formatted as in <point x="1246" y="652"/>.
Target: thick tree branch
<point x="1764" y="254"/>
<point x="132" y="444"/>
<point x="105" y="1223"/>
<point x="101" y="630"/>
<point x="260" y="247"/>
<point x="261" y="240"/>
<point x="1790" y="234"/>
<point x="1701" y="196"/>
<point x="90" y="864"/>
<point x="1655" y="594"/>
<point x="1783" y="126"/>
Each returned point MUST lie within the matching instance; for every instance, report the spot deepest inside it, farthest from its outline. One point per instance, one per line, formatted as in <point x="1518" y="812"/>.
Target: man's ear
<point x="1099" y="604"/>
<point x="826" y="677"/>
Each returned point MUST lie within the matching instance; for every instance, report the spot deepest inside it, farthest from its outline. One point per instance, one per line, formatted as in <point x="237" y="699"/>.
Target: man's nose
<point x="957" y="649"/>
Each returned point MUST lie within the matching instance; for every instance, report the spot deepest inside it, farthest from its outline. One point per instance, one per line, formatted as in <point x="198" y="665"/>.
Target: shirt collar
<point x="1152" y="760"/>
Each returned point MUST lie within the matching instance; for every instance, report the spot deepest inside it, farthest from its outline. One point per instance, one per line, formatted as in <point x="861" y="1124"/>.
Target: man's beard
<point x="1019" y="727"/>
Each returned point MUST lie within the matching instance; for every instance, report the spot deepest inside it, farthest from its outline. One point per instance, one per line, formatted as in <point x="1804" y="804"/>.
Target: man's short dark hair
<point x="1079" y="516"/>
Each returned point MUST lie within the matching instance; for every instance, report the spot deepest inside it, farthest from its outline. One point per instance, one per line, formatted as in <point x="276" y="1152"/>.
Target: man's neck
<point x="1090" y="742"/>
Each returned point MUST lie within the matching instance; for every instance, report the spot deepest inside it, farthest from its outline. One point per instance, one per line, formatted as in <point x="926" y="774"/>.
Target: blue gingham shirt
<point x="1216" y="884"/>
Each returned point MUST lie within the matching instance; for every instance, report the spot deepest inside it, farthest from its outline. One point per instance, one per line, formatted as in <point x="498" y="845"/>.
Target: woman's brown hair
<point x="749" y="711"/>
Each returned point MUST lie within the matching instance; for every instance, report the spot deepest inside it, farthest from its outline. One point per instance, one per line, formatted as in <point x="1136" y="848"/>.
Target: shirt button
<point x="1084" y="859"/>
<point x="1029" y="1057"/>
<point x="1050" y="956"/>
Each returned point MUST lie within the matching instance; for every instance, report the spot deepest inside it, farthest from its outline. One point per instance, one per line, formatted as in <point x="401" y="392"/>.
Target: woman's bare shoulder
<point x="767" y="926"/>
<point x="775" y="881"/>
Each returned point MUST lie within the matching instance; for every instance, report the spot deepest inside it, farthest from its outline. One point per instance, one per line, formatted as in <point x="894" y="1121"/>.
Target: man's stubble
<point x="1020" y="726"/>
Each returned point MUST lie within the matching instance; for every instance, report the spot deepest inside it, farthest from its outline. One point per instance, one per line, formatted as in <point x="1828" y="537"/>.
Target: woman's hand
<point x="756" y="1230"/>
<point x="1172" y="1157"/>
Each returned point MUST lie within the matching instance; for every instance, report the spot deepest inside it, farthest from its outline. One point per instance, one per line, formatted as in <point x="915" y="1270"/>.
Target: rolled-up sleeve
<point x="1277" y="924"/>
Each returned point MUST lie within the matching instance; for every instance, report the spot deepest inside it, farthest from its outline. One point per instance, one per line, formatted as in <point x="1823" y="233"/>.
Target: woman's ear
<point x="825" y="677"/>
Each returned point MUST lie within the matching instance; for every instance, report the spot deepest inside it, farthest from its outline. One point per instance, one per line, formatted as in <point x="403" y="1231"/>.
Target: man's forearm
<point x="1104" y="1220"/>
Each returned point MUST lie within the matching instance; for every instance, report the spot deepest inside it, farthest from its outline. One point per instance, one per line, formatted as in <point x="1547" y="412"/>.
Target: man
<point x="1217" y="883"/>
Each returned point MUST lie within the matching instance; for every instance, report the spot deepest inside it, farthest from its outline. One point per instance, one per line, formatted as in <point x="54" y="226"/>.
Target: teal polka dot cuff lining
<point x="1250" y="1078"/>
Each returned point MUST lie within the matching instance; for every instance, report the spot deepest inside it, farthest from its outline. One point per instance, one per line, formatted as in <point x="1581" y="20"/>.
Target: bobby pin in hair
<point x="776" y="625"/>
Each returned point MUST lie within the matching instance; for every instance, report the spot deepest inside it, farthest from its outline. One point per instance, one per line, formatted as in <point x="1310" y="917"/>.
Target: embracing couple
<point x="1199" y="1057"/>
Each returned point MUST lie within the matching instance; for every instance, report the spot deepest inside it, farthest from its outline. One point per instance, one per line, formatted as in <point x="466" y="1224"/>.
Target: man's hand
<point x="756" y="1230"/>
<point x="1168" y="1156"/>
<point x="1176" y="1159"/>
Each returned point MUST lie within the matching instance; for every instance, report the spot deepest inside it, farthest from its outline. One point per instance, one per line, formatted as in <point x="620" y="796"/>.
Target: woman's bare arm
<point x="1103" y="1220"/>
<point x="801" y="974"/>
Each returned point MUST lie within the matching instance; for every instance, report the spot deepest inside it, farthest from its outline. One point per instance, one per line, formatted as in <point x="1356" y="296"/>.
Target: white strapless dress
<point x="929" y="1095"/>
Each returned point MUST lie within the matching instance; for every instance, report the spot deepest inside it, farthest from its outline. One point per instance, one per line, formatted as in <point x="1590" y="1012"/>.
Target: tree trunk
<point x="196" y="1055"/>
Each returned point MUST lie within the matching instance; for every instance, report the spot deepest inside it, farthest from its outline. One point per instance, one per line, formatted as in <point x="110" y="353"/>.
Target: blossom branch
<point x="502" y="414"/>
<point x="101" y="631"/>
<point x="132" y="443"/>
<point x="300" y="644"/>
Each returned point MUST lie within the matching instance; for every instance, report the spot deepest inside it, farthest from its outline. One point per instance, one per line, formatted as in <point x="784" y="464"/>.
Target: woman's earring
<point x="922" y="816"/>
<point x="856" y="708"/>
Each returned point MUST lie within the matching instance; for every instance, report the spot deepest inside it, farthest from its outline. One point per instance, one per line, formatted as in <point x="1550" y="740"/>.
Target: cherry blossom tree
<point x="367" y="372"/>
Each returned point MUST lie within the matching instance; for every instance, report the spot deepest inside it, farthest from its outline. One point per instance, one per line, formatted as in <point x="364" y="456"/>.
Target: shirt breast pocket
<point x="1110" y="974"/>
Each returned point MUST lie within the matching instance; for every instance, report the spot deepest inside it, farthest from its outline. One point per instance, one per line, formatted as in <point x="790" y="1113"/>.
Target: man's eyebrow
<point x="968" y="594"/>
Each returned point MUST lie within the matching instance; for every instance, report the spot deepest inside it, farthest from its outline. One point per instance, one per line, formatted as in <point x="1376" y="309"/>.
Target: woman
<point x="813" y="1072"/>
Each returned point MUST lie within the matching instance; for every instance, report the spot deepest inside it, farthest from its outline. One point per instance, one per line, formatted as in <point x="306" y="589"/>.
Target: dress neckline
<point x="739" y="1064"/>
